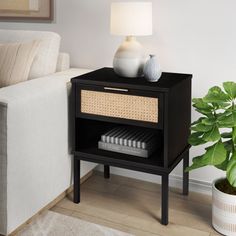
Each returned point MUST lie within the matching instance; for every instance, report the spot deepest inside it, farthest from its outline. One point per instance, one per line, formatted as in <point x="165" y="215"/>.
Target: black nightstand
<point x="102" y="100"/>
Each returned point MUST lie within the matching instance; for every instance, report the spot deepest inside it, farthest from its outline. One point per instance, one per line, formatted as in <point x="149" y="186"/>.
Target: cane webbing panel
<point x="120" y="106"/>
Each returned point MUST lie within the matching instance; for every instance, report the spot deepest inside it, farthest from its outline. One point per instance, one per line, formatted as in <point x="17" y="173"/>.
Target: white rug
<point x="54" y="224"/>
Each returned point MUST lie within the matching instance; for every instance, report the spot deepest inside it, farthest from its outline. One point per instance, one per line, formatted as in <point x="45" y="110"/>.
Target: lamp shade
<point x="131" y="18"/>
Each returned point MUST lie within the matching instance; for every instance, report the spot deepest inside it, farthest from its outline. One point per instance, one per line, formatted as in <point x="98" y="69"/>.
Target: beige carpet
<point x="54" y="224"/>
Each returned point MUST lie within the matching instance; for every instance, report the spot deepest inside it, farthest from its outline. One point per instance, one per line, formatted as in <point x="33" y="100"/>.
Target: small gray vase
<point x="152" y="70"/>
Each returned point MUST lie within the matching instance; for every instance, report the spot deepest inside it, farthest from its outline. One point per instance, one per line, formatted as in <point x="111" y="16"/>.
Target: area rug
<point x="54" y="224"/>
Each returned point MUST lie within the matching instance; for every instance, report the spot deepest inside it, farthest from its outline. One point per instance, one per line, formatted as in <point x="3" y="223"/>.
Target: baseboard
<point x="51" y="204"/>
<point x="174" y="180"/>
<point x="194" y="185"/>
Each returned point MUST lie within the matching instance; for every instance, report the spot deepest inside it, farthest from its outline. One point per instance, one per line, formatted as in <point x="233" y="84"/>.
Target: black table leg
<point x="76" y="180"/>
<point x="106" y="171"/>
<point x="165" y="199"/>
<point x="185" y="174"/>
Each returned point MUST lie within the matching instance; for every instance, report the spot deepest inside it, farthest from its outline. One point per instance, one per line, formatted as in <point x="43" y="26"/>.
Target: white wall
<point x="192" y="36"/>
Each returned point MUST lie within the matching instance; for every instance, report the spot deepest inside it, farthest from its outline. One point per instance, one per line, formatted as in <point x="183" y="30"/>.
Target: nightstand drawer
<point x="121" y="103"/>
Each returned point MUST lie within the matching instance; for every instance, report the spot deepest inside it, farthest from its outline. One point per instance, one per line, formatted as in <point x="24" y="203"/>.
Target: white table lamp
<point x="130" y="19"/>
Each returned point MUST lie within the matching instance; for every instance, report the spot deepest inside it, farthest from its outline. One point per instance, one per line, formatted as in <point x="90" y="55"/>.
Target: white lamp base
<point x="129" y="59"/>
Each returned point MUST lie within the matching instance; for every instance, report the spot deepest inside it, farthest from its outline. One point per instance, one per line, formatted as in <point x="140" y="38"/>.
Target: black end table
<point x="102" y="100"/>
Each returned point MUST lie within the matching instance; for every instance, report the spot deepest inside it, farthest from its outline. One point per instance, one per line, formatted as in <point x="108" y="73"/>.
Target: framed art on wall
<point x="26" y="10"/>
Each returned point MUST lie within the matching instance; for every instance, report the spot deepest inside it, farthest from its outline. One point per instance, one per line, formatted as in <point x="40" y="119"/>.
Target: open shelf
<point x="87" y="148"/>
<point x="155" y="161"/>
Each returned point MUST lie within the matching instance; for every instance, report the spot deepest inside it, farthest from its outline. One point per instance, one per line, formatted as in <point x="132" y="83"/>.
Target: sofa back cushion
<point x="15" y="61"/>
<point x="45" y="61"/>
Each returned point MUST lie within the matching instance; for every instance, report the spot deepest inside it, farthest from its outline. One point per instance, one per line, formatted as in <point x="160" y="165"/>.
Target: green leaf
<point x="201" y="128"/>
<point x="196" y="164"/>
<point x="234" y="135"/>
<point x="230" y="88"/>
<point x="226" y="113"/>
<point x="200" y="104"/>
<point x="209" y="121"/>
<point x="197" y="121"/>
<point x="205" y="112"/>
<point x="227" y="120"/>
<point x="231" y="171"/>
<point x="224" y="105"/>
<point x="223" y="166"/>
<point x="221" y="105"/>
<point x="228" y="145"/>
<point x="215" y="155"/>
<point x="216" y="95"/>
<point x="226" y="135"/>
<point x="196" y="139"/>
<point x="212" y="135"/>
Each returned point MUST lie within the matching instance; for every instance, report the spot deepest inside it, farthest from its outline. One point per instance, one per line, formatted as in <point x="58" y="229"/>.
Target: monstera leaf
<point x="200" y="127"/>
<point x="215" y="155"/>
<point x="203" y="107"/>
<point x="216" y="95"/>
<point x="226" y="135"/>
<point x="223" y="166"/>
<point x="230" y="88"/>
<point x="228" y="145"/>
<point x="227" y="119"/>
<point x="234" y="135"/>
<point x="200" y="104"/>
<point x="212" y="135"/>
<point x="209" y="121"/>
<point x="195" y="139"/>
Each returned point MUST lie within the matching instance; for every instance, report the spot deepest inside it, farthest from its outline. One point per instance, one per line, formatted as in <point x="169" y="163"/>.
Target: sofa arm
<point x="63" y="62"/>
<point x="38" y="87"/>
<point x="35" y="162"/>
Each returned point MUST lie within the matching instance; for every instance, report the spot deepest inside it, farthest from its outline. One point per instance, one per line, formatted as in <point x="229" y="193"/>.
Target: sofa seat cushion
<point x="45" y="61"/>
<point x="15" y="61"/>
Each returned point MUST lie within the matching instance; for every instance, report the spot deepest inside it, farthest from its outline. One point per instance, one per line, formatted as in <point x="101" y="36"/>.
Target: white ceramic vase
<point x="223" y="211"/>
<point x="152" y="71"/>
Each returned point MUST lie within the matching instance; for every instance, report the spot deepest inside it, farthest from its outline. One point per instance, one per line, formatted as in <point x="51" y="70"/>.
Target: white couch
<point x="35" y="160"/>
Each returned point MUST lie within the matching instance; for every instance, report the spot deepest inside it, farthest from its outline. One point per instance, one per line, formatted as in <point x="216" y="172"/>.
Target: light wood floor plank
<point x="134" y="206"/>
<point x="62" y="211"/>
<point x="111" y="224"/>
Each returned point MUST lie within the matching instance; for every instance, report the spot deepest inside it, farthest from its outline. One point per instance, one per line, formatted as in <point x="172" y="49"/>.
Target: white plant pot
<point x="223" y="211"/>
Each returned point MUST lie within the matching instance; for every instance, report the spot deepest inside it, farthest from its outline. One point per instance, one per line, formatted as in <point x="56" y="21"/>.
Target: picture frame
<point x="26" y="10"/>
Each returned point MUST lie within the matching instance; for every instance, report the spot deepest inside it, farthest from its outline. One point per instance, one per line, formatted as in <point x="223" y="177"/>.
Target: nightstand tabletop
<point x="107" y="77"/>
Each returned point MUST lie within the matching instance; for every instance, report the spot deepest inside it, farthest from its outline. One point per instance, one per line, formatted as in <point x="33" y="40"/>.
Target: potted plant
<point x="216" y="128"/>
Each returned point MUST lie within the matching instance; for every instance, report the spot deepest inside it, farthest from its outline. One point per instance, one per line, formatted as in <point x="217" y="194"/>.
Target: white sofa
<point x="35" y="160"/>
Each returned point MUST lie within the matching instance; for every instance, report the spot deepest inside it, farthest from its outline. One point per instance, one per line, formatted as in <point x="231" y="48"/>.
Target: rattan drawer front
<point x="119" y="105"/>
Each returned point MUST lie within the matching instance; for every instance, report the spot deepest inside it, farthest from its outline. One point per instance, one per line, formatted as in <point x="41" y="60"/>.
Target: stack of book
<point x="136" y="142"/>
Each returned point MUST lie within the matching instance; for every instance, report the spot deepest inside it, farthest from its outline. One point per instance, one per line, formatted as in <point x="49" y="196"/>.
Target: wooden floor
<point x="134" y="206"/>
